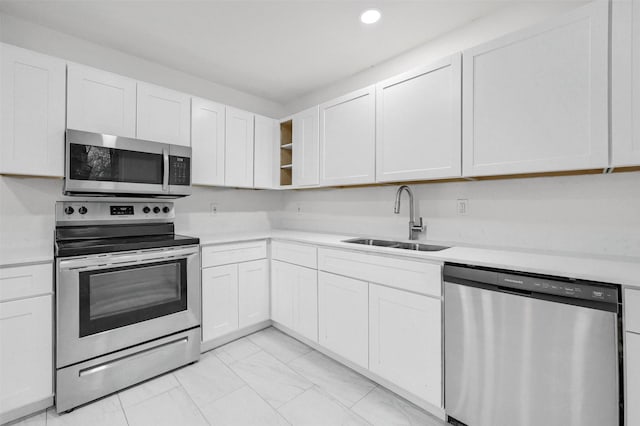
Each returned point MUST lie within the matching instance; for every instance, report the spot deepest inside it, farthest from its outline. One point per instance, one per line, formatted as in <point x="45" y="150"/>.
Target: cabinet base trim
<point x="234" y="335"/>
<point x="425" y="405"/>
<point x="26" y="410"/>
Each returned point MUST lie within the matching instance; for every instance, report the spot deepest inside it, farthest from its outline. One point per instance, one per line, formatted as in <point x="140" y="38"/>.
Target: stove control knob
<point x="69" y="210"/>
<point x="166" y="209"/>
<point x="82" y="210"/>
<point x="146" y="209"/>
<point x="156" y="209"/>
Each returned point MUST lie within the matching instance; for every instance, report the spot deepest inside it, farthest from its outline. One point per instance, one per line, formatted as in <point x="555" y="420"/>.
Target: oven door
<point x="105" y="164"/>
<point x="110" y="302"/>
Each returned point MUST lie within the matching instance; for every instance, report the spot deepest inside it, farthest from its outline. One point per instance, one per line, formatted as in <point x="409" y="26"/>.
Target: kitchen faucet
<point x="414" y="227"/>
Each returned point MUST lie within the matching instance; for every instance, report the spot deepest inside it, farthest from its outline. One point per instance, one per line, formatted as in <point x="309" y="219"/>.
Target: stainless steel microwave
<point x="97" y="164"/>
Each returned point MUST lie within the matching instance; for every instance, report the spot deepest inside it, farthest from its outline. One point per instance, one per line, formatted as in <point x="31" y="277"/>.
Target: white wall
<point x="45" y="40"/>
<point x="597" y="214"/>
<point x="518" y="16"/>
<point x="27" y="212"/>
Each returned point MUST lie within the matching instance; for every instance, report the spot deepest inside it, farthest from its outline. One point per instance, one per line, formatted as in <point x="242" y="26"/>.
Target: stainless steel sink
<point x="395" y="244"/>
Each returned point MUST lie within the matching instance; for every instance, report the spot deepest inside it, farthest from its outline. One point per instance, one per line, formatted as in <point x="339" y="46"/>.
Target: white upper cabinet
<point x="625" y="83"/>
<point x="347" y="139"/>
<point x="418" y="123"/>
<point x="305" y="148"/>
<point x="537" y="100"/>
<point x="164" y="115"/>
<point x="238" y="162"/>
<point x="265" y="152"/>
<point x="207" y="142"/>
<point x="32" y="101"/>
<point x="100" y="102"/>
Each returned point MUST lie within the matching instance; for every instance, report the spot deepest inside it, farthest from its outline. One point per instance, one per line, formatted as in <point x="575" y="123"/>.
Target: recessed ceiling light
<point x="370" y="16"/>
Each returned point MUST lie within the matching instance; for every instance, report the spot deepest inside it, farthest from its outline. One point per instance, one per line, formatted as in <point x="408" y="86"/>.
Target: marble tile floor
<point x="267" y="378"/>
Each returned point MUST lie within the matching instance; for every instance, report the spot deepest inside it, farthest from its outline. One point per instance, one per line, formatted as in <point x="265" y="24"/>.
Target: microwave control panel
<point x="179" y="170"/>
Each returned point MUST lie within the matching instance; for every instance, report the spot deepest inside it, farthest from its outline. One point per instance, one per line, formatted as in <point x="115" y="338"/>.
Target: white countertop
<point x="617" y="270"/>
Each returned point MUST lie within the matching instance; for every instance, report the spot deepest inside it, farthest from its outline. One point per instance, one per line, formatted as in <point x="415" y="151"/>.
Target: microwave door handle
<point x="165" y="170"/>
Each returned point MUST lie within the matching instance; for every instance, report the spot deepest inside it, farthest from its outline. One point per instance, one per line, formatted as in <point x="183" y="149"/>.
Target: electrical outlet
<point x="214" y="209"/>
<point x="462" y="207"/>
<point x="299" y="208"/>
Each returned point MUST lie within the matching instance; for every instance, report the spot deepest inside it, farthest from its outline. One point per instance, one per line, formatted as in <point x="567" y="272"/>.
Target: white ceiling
<point x="278" y="50"/>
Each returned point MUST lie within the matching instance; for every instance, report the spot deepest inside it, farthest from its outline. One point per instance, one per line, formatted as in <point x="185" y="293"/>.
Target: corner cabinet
<point x="347" y="139"/>
<point x="26" y="334"/>
<point x="32" y="119"/>
<point x="207" y="142"/>
<point x="305" y="148"/>
<point x="537" y="100"/>
<point x="238" y="160"/>
<point x="625" y="83"/>
<point x="100" y="102"/>
<point x="418" y="123"/>
<point x="163" y="115"/>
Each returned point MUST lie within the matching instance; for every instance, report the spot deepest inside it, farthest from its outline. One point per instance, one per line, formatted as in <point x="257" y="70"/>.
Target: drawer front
<point x="225" y="254"/>
<point x="419" y="277"/>
<point x="298" y="254"/>
<point x="632" y="310"/>
<point x="25" y="281"/>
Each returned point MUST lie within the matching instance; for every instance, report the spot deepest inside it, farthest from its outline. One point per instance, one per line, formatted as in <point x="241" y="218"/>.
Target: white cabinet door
<point x="625" y="83"/>
<point x="347" y="139"/>
<point x="238" y="166"/>
<point x="306" y="305"/>
<point x="26" y="352"/>
<point x="343" y="317"/>
<point x="536" y="100"/>
<point x="294" y="298"/>
<point x="283" y="294"/>
<point x="405" y="341"/>
<point x="207" y="142"/>
<point x="219" y="301"/>
<point x="418" y="123"/>
<point x="253" y="292"/>
<point x="632" y="379"/>
<point x="305" y="148"/>
<point x="32" y="102"/>
<point x="163" y="115"/>
<point x="100" y="102"/>
<point x="265" y="152"/>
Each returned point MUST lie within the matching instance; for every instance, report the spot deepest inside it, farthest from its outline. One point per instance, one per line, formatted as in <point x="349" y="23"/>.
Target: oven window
<point x="116" y="297"/>
<point x="98" y="163"/>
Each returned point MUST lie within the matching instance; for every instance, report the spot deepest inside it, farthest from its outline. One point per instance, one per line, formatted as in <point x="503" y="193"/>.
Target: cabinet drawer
<point x="298" y="254"/>
<point x="25" y="281"/>
<point x="233" y="253"/>
<point x="419" y="277"/>
<point x="632" y="310"/>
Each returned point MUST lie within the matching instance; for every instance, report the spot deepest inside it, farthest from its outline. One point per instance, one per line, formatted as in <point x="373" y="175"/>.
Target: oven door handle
<point x="125" y="260"/>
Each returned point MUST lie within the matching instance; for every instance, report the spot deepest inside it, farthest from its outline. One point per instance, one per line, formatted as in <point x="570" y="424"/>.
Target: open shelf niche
<point x="286" y="151"/>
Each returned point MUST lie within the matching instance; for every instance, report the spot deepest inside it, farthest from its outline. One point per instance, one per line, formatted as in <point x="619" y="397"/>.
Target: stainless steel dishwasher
<point x="530" y="350"/>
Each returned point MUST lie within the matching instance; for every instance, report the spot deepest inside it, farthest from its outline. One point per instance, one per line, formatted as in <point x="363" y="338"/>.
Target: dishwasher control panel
<point x="578" y="289"/>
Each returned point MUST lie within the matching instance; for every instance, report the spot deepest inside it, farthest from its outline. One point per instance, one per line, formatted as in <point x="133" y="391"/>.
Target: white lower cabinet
<point x="26" y="340"/>
<point x="343" y="319"/>
<point x="633" y="379"/>
<point x="234" y="295"/>
<point x="405" y="341"/>
<point x="294" y="298"/>
<point x="219" y="301"/>
<point x="253" y="292"/>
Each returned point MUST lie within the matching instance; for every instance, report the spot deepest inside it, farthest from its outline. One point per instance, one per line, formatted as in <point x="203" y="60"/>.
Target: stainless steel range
<point x="127" y="297"/>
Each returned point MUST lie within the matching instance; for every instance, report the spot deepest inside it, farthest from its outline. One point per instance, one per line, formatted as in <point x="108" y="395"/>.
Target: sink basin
<point x="395" y="244"/>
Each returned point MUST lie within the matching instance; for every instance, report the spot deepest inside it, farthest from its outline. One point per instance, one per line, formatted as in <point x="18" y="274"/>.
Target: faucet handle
<point x="418" y="227"/>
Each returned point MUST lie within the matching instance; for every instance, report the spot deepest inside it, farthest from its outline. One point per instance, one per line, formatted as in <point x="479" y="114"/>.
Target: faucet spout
<point x="414" y="228"/>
